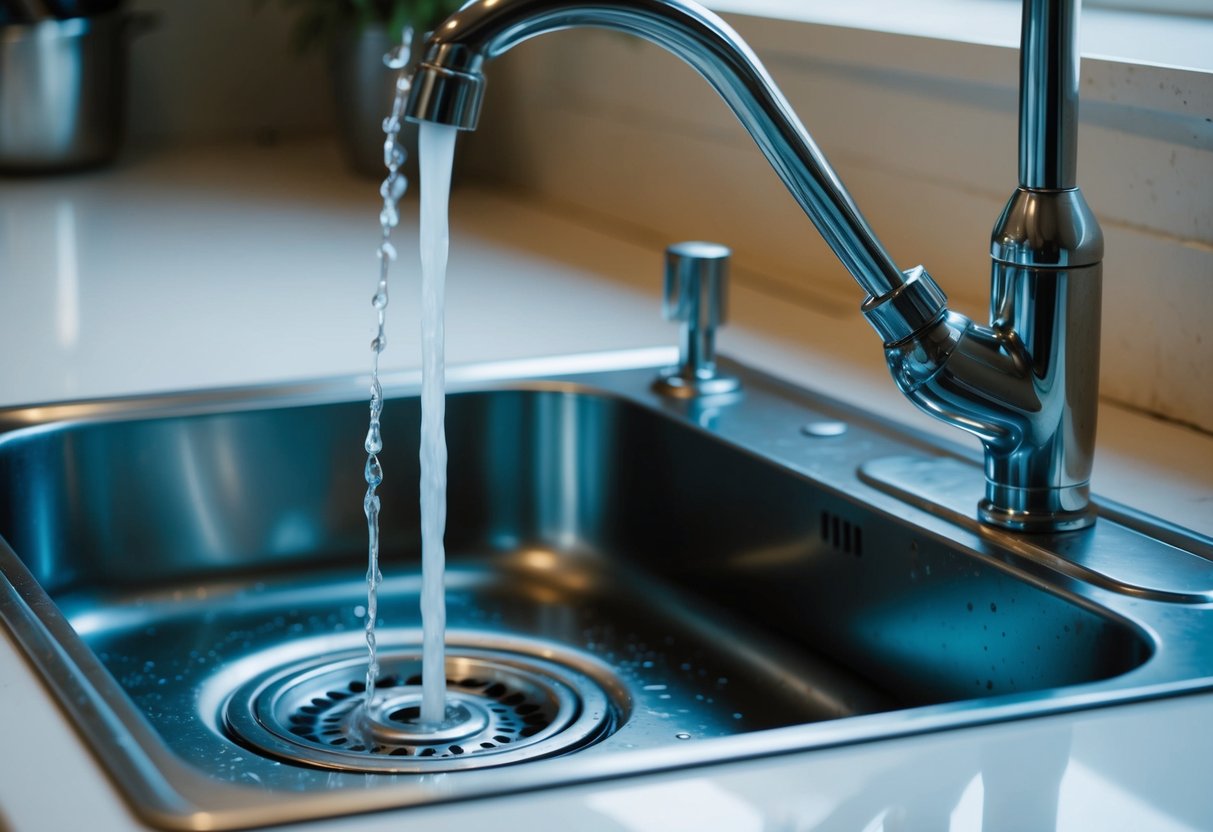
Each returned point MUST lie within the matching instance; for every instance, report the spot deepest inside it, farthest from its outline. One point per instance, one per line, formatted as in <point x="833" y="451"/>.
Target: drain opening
<point x="502" y="707"/>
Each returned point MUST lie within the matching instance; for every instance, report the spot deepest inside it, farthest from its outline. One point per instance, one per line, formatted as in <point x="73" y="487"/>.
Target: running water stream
<point x="435" y="156"/>
<point x="391" y="190"/>
<point x="436" y="150"/>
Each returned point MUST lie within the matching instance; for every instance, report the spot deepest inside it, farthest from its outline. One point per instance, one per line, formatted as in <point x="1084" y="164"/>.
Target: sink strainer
<point x="502" y="707"/>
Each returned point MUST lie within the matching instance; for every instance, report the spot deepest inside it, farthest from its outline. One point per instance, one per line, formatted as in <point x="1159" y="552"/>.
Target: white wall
<point x="922" y="131"/>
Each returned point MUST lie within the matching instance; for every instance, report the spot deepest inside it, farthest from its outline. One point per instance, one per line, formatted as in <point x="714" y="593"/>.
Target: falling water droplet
<point x="387" y="251"/>
<point x="374" y="439"/>
<point x="398" y="56"/>
<point x="393" y="188"/>
<point x="373" y="474"/>
<point x="394" y="153"/>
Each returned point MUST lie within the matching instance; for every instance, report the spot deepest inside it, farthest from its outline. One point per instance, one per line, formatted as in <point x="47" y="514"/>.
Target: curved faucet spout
<point x="449" y="82"/>
<point x="1026" y="384"/>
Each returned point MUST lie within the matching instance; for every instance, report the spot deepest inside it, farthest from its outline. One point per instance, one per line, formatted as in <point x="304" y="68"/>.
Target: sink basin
<point x="636" y="584"/>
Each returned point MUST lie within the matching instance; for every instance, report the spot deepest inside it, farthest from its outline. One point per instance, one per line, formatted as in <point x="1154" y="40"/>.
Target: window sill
<point x="922" y="128"/>
<point x="1114" y="35"/>
<point x="1131" y="61"/>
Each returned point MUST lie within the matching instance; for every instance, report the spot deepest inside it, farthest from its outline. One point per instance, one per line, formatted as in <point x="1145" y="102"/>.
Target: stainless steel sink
<point x="705" y="582"/>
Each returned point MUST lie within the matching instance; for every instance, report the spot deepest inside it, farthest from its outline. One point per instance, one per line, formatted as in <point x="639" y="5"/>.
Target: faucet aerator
<point x="445" y="96"/>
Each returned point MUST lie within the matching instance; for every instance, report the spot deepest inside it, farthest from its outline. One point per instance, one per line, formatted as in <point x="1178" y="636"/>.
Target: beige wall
<point x="222" y="69"/>
<point x="924" y="134"/>
<point x="922" y="131"/>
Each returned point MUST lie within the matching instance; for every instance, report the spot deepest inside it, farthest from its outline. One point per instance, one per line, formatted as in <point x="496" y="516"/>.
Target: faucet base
<point x="1037" y="510"/>
<point x="678" y="385"/>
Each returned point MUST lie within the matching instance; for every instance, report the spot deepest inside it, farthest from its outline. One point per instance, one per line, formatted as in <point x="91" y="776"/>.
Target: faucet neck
<point x="1027" y="385"/>
<point x="1048" y="95"/>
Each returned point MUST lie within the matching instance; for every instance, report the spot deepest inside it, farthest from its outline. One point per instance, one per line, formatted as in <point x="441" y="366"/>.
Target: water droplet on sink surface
<point x="682" y="735"/>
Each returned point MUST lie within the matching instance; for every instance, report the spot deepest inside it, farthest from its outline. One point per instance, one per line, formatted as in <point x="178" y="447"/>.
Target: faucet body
<point x="1026" y="384"/>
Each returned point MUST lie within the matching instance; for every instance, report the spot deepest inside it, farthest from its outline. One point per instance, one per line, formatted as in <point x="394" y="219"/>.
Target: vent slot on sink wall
<point x="841" y="534"/>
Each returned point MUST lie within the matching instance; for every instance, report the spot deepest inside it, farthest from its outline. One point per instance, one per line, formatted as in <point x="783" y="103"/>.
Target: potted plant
<point x="357" y="34"/>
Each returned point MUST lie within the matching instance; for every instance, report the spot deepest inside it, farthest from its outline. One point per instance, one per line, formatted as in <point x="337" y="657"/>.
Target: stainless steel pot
<point x="62" y="92"/>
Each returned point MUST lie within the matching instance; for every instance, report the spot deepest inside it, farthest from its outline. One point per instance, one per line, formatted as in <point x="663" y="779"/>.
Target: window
<point x="1201" y="8"/>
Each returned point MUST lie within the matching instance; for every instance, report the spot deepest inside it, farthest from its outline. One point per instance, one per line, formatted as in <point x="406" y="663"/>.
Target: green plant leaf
<point x="318" y="20"/>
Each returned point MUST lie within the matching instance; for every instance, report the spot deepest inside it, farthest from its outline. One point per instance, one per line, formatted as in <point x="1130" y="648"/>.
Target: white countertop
<point x="242" y="265"/>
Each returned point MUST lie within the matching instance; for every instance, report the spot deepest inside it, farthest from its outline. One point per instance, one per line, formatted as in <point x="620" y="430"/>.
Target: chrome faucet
<point x="1026" y="385"/>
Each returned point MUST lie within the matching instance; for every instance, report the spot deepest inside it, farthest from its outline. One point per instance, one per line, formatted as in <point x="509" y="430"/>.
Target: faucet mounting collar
<point x="908" y="309"/>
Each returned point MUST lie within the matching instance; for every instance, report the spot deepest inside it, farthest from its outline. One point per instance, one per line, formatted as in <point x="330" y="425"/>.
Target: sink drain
<point x="502" y="707"/>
